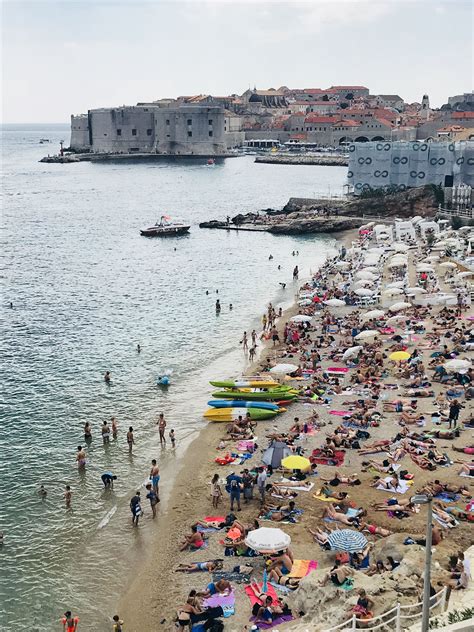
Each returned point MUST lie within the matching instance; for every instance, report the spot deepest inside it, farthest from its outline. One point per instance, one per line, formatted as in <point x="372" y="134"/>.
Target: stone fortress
<point x="214" y="125"/>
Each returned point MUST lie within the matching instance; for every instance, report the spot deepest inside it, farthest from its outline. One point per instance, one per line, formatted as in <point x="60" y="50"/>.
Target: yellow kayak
<point x="233" y="414"/>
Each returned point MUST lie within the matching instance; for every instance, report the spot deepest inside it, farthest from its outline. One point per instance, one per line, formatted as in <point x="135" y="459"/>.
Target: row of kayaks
<point x="259" y="398"/>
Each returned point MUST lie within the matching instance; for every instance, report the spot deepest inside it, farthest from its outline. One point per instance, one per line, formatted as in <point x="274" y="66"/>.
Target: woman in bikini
<point x="214" y="565"/>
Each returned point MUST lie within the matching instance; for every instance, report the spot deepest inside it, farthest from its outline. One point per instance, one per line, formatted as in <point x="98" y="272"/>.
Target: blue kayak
<point x="229" y="403"/>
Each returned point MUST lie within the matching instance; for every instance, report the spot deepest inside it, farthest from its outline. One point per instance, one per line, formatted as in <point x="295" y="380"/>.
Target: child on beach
<point x="172" y="437"/>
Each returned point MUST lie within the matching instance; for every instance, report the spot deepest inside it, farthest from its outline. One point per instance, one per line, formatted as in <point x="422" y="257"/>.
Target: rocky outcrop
<point x="288" y="159"/>
<point x="307" y="225"/>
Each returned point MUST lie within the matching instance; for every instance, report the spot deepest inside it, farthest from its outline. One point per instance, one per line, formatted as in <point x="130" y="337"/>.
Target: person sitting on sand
<point x="362" y="609"/>
<point x="194" y="541"/>
<point x="338" y="574"/>
<point x="277" y="576"/>
<point x="184" y="614"/>
<point x="214" y="565"/>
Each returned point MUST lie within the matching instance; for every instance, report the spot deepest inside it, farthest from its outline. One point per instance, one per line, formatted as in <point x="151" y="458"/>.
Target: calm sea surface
<point x="86" y="289"/>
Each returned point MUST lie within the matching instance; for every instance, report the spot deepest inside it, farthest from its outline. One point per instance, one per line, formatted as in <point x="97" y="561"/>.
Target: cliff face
<point x="420" y="201"/>
<point x="304" y="225"/>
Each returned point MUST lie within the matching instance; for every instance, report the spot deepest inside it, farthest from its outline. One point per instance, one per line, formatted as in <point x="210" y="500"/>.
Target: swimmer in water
<point x="68" y="496"/>
<point x="230" y="307"/>
<point x="218" y="305"/>
<point x="69" y="622"/>
<point x="130" y="439"/>
<point x="107" y="376"/>
<point x="279" y="267"/>
<point x="108" y="479"/>
<point x="270" y="257"/>
<point x="105" y="433"/>
<point x="207" y="292"/>
<point x="87" y="432"/>
<point x="138" y="348"/>
<point x="80" y="458"/>
<point x="283" y="285"/>
<point x="42" y="493"/>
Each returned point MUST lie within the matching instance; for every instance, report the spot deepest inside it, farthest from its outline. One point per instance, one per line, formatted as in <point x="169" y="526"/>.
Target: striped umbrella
<point x="347" y="540"/>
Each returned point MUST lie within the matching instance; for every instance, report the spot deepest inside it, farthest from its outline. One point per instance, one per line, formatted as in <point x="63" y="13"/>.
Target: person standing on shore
<point x="454" y="410"/>
<point x="42" y="493"/>
<point x="81" y="458"/>
<point x="275" y="336"/>
<point x="234" y="483"/>
<point x="253" y="335"/>
<point x="155" y="476"/>
<point x="261" y="482"/>
<point x="68" y="496"/>
<point x="295" y="273"/>
<point x="245" y="342"/>
<point x="118" y="623"/>
<point x="152" y="497"/>
<point x="162" y="428"/>
<point x="172" y="437"/>
<point x="130" y="439"/>
<point x="216" y="491"/>
<point x="105" y="433"/>
<point x="264" y="322"/>
<point x="114" y="427"/>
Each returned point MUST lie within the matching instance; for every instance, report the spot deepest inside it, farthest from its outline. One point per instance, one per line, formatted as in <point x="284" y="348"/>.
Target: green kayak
<point x="256" y="395"/>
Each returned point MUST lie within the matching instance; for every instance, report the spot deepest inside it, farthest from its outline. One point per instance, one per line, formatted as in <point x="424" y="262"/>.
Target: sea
<point x="81" y="288"/>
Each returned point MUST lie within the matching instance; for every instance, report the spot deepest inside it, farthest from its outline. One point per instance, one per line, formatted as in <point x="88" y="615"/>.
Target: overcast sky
<point x="63" y="57"/>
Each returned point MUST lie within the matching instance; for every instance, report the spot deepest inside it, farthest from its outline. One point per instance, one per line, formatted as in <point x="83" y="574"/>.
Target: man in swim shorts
<point x="155" y="477"/>
<point x="152" y="497"/>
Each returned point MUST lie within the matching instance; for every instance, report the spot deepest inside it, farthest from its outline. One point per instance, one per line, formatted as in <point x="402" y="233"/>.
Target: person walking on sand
<point x="130" y="439"/>
<point x="69" y="622"/>
<point x="216" y="491"/>
<point x="81" y="458"/>
<point x="261" y="483"/>
<point x="244" y="342"/>
<point x="162" y="428"/>
<point x="275" y="336"/>
<point x="105" y="433"/>
<point x="454" y="410"/>
<point x="152" y="497"/>
<point x="155" y="476"/>
<point x="68" y="496"/>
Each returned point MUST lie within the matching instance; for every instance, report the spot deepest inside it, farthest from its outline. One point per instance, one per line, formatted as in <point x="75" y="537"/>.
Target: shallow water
<point x="86" y="289"/>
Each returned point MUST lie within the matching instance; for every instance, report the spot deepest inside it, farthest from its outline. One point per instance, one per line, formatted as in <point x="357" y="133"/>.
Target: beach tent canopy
<point x="335" y="302"/>
<point x="392" y="291"/>
<point x="424" y="267"/>
<point x="275" y="454"/>
<point x="393" y="320"/>
<point x="365" y="274"/>
<point x="363" y="291"/>
<point x="415" y="290"/>
<point x="346" y="540"/>
<point x="448" y="264"/>
<point x="457" y="365"/>
<point x="363" y="283"/>
<point x="267" y="540"/>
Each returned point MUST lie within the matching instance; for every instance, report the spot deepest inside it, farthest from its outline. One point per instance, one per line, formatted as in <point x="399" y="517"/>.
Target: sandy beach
<point x="152" y="597"/>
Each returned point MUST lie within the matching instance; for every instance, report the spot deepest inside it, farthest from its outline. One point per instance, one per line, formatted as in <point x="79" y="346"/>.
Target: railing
<point x="395" y="616"/>
<point x="456" y="212"/>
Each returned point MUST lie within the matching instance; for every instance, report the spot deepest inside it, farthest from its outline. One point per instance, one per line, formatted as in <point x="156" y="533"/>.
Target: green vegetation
<point x="453" y="617"/>
<point x="370" y="192"/>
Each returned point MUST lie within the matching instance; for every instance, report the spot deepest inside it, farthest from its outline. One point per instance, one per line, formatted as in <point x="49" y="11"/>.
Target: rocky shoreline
<point x="289" y="159"/>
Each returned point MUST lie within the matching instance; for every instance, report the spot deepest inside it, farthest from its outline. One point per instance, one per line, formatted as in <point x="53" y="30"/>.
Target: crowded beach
<point x="304" y="511"/>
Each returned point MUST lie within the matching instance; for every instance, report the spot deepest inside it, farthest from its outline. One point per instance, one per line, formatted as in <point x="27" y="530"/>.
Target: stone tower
<point x="425" y="106"/>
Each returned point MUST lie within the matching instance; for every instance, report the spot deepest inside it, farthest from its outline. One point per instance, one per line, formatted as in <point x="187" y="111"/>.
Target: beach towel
<point x="267" y="626"/>
<point x="270" y="593"/>
<point x="350" y="513"/>
<point x="226" y="602"/>
<point x="202" y="529"/>
<point x="297" y="489"/>
<point x="466" y="475"/>
<point x="337" y="369"/>
<point x="319" y="457"/>
<point x="301" y="568"/>
<point x="402" y="488"/>
<point x="214" y="519"/>
<point x="445" y="524"/>
<point x="231" y="576"/>
<point x="284" y="589"/>
<point x="325" y="499"/>
<point x="290" y="520"/>
<point x="340" y="413"/>
<point x="447" y="497"/>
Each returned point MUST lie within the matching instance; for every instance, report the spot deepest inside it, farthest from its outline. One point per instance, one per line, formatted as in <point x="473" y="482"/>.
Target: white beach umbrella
<point x="335" y="302"/>
<point x="283" y="368"/>
<point x="362" y="283"/>
<point x="300" y="318"/>
<point x="395" y="320"/>
<point x="371" y="269"/>
<point x="448" y="265"/>
<point x="424" y="267"/>
<point x="392" y="291"/>
<point x="367" y="334"/>
<point x="343" y="265"/>
<point x="415" y="290"/>
<point x="376" y="251"/>
<point x="398" y="246"/>
<point x="396" y="284"/>
<point x="457" y="365"/>
<point x="351" y="352"/>
<point x="267" y="539"/>
<point x="305" y="302"/>
<point x="431" y="259"/>
<point x="363" y="291"/>
<point x="398" y="263"/>
<point x="374" y="313"/>
<point x="365" y="274"/>
<point x="398" y="307"/>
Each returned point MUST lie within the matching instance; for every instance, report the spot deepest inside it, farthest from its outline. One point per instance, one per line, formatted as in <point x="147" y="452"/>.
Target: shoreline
<point x="142" y="605"/>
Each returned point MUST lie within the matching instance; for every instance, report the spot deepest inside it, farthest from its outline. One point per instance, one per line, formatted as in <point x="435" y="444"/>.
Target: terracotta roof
<point x="333" y="103"/>
<point x="299" y="114"/>
<point x="311" y="91"/>
<point x="319" y="119"/>
<point x="452" y="128"/>
<point x="463" y="115"/>
<point x="348" y="123"/>
<point x="348" y="88"/>
<point x="384" y="122"/>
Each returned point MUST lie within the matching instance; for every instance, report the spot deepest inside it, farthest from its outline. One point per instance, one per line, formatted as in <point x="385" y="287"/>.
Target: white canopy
<point x="374" y="313"/>
<point x="267" y="539"/>
<point x="398" y="307"/>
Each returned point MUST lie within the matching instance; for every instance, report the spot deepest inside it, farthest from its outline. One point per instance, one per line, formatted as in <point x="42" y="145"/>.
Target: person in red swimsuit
<point x="69" y="622"/>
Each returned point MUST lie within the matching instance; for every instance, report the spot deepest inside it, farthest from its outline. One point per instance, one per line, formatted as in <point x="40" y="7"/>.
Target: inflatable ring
<point x="413" y="174"/>
<point x="368" y="161"/>
<point x="379" y="146"/>
<point x="421" y="175"/>
<point x="360" y="160"/>
<point x="451" y="146"/>
<point x="433" y="161"/>
<point x="377" y="173"/>
<point x="470" y="161"/>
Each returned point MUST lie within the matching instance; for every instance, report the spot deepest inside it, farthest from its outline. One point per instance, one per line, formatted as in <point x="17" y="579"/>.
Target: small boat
<point x="211" y="162"/>
<point x="245" y="383"/>
<point x="233" y="414"/>
<point x="165" y="228"/>
<point x="264" y="396"/>
<point x="237" y="403"/>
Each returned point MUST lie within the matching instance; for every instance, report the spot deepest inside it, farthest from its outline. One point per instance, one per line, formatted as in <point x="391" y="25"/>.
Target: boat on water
<point x="165" y="228"/>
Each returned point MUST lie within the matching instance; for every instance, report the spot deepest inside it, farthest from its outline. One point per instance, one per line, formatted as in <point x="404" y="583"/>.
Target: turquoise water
<point x="86" y="289"/>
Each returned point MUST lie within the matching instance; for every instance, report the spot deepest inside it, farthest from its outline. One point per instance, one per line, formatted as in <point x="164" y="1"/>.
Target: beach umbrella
<point x="335" y="302"/>
<point x="455" y="365"/>
<point x="305" y="302"/>
<point x="351" y="352"/>
<point x="398" y="307"/>
<point x="399" y="355"/>
<point x="394" y="320"/>
<point x="398" y="246"/>
<point x="296" y="462"/>
<point x="363" y="283"/>
<point x="267" y="540"/>
<point x="365" y="274"/>
<point x="399" y="263"/>
<point x="283" y="368"/>
<point x="374" y="313"/>
<point x="300" y="318"/>
<point x="346" y="540"/>
<point x="431" y="259"/>
<point x="398" y="284"/>
<point x="415" y="290"/>
<point x="424" y="267"/>
<point x="392" y="291"/>
<point x="367" y="334"/>
<point x="363" y="291"/>
<point x="342" y="265"/>
<point x="448" y="264"/>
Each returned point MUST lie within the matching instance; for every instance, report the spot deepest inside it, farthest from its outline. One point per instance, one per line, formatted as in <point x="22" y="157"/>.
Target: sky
<point x="63" y="57"/>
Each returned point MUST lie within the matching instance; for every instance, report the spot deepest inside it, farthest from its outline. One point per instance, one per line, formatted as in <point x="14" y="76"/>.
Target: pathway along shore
<point x="157" y="591"/>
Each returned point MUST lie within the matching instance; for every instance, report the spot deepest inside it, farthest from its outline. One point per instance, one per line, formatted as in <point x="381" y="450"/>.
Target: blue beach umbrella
<point x="347" y="540"/>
